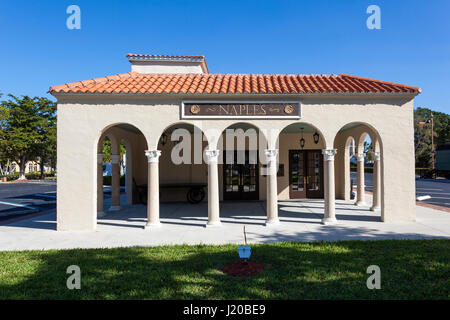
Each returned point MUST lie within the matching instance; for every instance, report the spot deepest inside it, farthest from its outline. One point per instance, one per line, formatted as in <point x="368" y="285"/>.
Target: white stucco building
<point x="303" y="125"/>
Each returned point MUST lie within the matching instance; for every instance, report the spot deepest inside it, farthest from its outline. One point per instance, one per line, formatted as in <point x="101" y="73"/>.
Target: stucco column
<point x="361" y="199"/>
<point x="329" y="216"/>
<point x="153" y="189"/>
<point x="376" y="203"/>
<point x="115" y="183"/>
<point x="100" y="208"/>
<point x="213" y="188"/>
<point x="272" y="194"/>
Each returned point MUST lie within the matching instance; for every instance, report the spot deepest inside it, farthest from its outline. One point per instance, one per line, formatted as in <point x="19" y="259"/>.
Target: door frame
<point x="240" y="195"/>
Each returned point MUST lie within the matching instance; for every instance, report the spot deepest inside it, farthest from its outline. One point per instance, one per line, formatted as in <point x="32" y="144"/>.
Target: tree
<point x="46" y="147"/>
<point x="422" y="134"/>
<point x="27" y="129"/>
<point x="107" y="151"/>
<point x="368" y="150"/>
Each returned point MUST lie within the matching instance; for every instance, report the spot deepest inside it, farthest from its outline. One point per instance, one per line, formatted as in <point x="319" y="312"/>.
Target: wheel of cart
<point x="195" y="195"/>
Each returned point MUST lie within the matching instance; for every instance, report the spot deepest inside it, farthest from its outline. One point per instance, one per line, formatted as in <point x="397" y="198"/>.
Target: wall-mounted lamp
<point x="302" y="140"/>
<point x="316" y="137"/>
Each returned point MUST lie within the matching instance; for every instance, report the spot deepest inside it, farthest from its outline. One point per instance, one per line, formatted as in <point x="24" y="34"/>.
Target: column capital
<point x="360" y="156"/>
<point x="153" y="155"/>
<point x="115" y="158"/>
<point x="212" y="155"/>
<point x="100" y="157"/>
<point x="377" y="156"/>
<point x="329" y="154"/>
<point x="271" y="154"/>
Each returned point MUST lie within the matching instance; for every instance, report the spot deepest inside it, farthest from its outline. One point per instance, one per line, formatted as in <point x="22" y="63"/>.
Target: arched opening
<point x="242" y="146"/>
<point x="121" y="168"/>
<point x="301" y="172"/>
<point x="183" y="173"/>
<point x="358" y="171"/>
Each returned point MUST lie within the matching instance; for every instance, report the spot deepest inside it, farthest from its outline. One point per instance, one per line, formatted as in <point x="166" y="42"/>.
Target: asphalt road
<point x="19" y="198"/>
<point x="438" y="190"/>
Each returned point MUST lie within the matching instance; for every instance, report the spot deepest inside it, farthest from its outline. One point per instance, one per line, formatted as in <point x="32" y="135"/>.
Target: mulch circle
<point x="238" y="269"/>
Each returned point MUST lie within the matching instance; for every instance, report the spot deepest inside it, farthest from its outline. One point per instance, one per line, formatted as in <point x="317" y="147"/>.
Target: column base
<point x="375" y="208"/>
<point x="152" y="225"/>
<point x="361" y="204"/>
<point x="272" y="222"/>
<point x="114" y="208"/>
<point x="328" y="221"/>
<point x="213" y="224"/>
<point x="100" y="214"/>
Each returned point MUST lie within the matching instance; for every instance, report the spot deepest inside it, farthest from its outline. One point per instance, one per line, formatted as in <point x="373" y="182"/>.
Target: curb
<point x="25" y="217"/>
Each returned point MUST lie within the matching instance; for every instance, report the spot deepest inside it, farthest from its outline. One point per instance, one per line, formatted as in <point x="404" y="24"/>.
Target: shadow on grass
<point x="410" y="269"/>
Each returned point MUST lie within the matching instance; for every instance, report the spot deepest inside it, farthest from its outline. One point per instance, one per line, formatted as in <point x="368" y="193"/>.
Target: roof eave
<point x="314" y="94"/>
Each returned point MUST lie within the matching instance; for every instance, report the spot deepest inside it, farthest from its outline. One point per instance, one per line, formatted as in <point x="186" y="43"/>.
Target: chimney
<point x="144" y="63"/>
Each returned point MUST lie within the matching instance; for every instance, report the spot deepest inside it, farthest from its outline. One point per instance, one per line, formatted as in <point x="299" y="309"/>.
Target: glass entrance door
<point x="305" y="174"/>
<point x="241" y="177"/>
<point x="297" y="176"/>
<point x="314" y="169"/>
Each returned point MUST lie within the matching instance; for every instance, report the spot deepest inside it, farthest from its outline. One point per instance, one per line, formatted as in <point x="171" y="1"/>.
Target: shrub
<point x="366" y="169"/>
<point x="107" y="180"/>
<point x="29" y="175"/>
<point x="423" y="172"/>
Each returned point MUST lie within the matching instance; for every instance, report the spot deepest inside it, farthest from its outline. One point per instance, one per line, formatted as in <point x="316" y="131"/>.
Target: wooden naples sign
<point x="237" y="109"/>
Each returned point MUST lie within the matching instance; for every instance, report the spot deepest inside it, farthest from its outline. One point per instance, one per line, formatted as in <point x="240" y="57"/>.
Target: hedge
<point x="107" y="180"/>
<point x="366" y="169"/>
<point x="29" y="175"/>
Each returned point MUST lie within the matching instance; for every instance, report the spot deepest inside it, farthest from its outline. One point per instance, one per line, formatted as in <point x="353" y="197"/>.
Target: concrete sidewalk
<point x="184" y="223"/>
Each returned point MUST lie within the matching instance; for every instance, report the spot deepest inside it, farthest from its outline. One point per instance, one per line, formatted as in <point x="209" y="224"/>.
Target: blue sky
<point x="318" y="37"/>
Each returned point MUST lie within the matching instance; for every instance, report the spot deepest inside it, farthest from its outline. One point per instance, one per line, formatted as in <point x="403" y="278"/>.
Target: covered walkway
<point x="296" y="214"/>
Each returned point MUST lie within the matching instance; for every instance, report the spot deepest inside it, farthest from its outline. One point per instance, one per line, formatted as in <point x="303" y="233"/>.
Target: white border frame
<point x="184" y="116"/>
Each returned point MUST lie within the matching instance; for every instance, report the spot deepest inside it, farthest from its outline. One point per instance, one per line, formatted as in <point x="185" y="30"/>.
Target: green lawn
<point x="410" y="269"/>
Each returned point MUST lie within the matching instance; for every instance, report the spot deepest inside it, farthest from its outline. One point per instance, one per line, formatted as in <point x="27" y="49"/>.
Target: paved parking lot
<point x="22" y="198"/>
<point x="437" y="190"/>
<point x="27" y="198"/>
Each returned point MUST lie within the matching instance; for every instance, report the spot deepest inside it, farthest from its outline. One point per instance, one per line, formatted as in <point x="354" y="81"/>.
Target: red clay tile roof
<point x="139" y="83"/>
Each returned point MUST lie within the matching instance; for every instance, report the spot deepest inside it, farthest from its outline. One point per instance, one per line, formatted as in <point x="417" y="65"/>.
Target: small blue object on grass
<point x="244" y="251"/>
